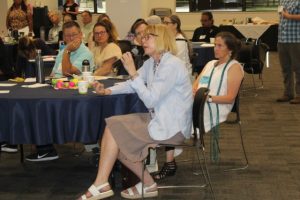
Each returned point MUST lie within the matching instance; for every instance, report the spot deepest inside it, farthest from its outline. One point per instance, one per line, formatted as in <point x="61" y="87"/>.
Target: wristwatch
<point x="209" y="99"/>
<point x="68" y="52"/>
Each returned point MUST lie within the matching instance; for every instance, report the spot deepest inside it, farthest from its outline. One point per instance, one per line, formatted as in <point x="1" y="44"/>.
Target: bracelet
<point x="134" y="76"/>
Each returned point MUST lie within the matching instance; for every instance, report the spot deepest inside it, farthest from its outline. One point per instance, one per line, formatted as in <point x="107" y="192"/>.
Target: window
<point x="225" y="5"/>
<point x="94" y="6"/>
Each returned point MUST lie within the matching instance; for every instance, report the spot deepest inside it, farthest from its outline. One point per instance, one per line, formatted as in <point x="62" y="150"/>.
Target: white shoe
<point x="8" y="148"/>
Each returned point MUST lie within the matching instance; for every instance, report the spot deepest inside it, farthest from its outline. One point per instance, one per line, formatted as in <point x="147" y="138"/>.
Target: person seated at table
<point x="68" y="62"/>
<point x="106" y="50"/>
<point x="207" y="30"/>
<point x="19" y="17"/>
<point x="27" y="50"/>
<point x="53" y="35"/>
<point x="130" y="34"/>
<point x="67" y="18"/>
<point x="101" y="17"/>
<point x="183" y="48"/>
<point x="225" y="68"/>
<point x="128" y="137"/>
<point x="139" y="54"/>
<point x="87" y="28"/>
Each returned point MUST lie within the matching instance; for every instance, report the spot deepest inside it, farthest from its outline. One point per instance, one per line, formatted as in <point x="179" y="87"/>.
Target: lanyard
<point x="215" y="129"/>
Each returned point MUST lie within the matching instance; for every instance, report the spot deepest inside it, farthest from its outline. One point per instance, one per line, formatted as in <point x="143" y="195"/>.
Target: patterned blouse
<point x="17" y="19"/>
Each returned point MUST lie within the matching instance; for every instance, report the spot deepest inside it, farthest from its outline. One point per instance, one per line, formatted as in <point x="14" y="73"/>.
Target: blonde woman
<point x="166" y="93"/>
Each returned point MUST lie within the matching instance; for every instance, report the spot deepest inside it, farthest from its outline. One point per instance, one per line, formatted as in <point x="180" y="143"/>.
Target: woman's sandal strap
<point x="95" y="190"/>
<point x="139" y="187"/>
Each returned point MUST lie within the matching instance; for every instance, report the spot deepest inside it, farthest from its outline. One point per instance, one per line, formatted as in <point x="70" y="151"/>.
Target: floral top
<point x="17" y="18"/>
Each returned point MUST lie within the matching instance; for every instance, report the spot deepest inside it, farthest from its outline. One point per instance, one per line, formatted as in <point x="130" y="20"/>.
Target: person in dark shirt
<point x="207" y="30"/>
<point x="71" y="8"/>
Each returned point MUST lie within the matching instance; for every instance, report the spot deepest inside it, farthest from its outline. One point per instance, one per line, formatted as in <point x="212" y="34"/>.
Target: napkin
<point x="4" y="91"/>
<point x="207" y="45"/>
<point x="36" y="85"/>
<point x="7" y="84"/>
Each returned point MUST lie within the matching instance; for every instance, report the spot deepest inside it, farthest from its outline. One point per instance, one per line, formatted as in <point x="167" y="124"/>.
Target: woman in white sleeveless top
<point x="226" y="47"/>
<point x="225" y="69"/>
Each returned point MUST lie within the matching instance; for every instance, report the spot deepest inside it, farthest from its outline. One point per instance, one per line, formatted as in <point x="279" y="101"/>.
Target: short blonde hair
<point x="54" y="12"/>
<point x="164" y="38"/>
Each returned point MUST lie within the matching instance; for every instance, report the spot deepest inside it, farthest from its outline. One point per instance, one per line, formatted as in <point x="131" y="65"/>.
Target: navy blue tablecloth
<point x="45" y="115"/>
<point x="202" y="55"/>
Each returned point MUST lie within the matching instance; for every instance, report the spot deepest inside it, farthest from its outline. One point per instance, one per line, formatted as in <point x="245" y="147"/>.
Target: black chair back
<point x="253" y="54"/>
<point x="198" y="112"/>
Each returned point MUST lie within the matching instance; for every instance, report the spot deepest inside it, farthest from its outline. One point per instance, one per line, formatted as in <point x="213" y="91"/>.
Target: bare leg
<point x="170" y="156"/>
<point x="137" y="168"/>
<point x="108" y="156"/>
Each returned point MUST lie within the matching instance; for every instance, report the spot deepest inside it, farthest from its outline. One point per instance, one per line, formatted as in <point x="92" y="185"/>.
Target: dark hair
<point x="88" y="12"/>
<point x="23" y="6"/>
<point x="70" y="24"/>
<point x="208" y="14"/>
<point x="109" y="29"/>
<point x="26" y="46"/>
<point x="101" y="16"/>
<point x="136" y="25"/>
<point x="176" y="20"/>
<point x="232" y="43"/>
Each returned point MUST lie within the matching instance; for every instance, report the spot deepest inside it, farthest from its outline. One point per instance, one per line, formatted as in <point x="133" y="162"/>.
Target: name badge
<point x="204" y="80"/>
<point x="202" y="37"/>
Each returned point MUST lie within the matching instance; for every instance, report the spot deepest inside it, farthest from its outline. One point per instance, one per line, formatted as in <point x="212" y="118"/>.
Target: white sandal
<point x="94" y="190"/>
<point x="132" y="195"/>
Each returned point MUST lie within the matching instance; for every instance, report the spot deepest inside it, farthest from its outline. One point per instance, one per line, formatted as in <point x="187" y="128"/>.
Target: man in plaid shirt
<point x="289" y="48"/>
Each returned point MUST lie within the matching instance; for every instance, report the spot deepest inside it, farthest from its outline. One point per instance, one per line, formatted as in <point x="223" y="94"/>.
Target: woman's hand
<point x="128" y="63"/>
<point x="99" y="88"/>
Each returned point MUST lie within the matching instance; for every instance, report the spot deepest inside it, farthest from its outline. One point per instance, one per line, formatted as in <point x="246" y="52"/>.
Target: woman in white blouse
<point x="183" y="49"/>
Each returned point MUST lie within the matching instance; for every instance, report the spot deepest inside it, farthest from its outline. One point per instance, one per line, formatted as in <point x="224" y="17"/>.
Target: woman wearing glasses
<point x="106" y="51"/>
<point x="162" y="83"/>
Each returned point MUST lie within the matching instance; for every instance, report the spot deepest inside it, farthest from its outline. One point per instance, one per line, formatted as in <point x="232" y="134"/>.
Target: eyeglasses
<point x="138" y="34"/>
<point x="100" y="33"/>
<point x="167" y="23"/>
<point x="147" y="36"/>
<point x="74" y="35"/>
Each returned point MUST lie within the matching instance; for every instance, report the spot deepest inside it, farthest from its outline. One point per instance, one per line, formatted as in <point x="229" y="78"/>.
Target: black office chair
<point x="253" y="55"/>
<point x="237" y="120"/>
<point x="161" y="12"/>
<point x="196" y="143"/>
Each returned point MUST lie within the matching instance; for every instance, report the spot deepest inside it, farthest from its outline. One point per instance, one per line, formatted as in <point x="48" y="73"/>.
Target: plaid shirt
<point x="289" y="30"/>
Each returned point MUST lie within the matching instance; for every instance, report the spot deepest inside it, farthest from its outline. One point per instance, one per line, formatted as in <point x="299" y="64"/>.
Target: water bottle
<point x="42" y="33"/>
<point x="85" y="66"/>
<point x="39" y="68"/>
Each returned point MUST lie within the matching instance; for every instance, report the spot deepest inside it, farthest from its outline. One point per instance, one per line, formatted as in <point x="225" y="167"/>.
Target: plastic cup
<point x="83" y="87"/>
<point x="280" y="9"/>
<point x="89" y="79"/>
<point x="212" y="40"/>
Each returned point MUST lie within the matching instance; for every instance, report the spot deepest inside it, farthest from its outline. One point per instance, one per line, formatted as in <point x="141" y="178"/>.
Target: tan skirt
<point x="132" y="137"/>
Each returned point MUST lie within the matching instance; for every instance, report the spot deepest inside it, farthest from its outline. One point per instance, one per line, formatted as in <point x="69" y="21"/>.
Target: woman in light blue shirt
<point x="163" y="84"/>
